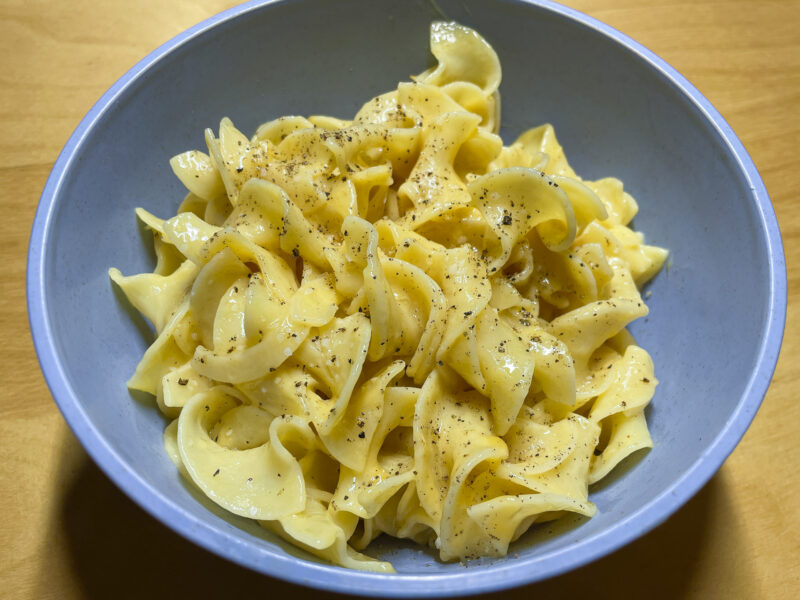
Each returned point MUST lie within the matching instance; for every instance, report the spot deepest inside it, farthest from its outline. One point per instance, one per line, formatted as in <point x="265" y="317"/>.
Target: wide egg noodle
<point x="585" y="330"/>
<point x="334" y="355"/>
<point x="390" y="462"/>
<point x="264" y="482"/>
<point x="396" y="295"/>
<point x="552" y="458"/>
<point x="196" y="171"/>
<point x="277" y="130"/>
<point x="395" y="324"/>
<point x="278" y="335"/>
<point x="452" y="436"/>
<point x="163" y="356"/>
<point x="210" y="285"/>
<point x="315" y="530"/>
<point x="462" y="55"/>
<point x="514" y="201"/>
<point x="434" y="188"/>
<point x="180" y="384"/>
<point x="349" y="441"/>
<point x="620" y="411"/>
<point x="493" y="359"/>
<point x="157" y="296"/>
<point x="459" y="273"/>
<point x="506" y="518"/>
<point x="542" y="141"/>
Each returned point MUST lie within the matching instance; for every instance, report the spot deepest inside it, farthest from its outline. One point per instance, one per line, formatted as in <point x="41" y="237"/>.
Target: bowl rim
<point x="327" y="577"/>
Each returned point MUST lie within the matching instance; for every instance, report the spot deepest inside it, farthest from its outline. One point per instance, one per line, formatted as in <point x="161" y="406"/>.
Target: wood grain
<point x="66" y="532"/>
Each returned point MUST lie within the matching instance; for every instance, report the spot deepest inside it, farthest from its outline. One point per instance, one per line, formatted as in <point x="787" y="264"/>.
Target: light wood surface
<point x="66" y="532"/>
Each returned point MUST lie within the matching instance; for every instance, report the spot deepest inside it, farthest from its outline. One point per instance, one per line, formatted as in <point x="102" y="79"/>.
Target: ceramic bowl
<point x="717" y="310"/>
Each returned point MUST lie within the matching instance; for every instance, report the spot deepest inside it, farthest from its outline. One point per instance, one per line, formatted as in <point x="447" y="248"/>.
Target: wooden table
<point x="67" y="532"/>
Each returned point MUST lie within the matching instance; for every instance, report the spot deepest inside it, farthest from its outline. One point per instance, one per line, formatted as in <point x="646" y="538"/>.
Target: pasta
<point x="396" y="324"/>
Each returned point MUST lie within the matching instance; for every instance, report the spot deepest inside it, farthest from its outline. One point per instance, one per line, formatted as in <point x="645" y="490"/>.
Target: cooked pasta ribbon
<point x="396" y="324"/>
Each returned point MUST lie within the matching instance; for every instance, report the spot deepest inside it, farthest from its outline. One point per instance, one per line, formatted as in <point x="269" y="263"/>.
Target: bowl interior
<point x="615" y="116"/>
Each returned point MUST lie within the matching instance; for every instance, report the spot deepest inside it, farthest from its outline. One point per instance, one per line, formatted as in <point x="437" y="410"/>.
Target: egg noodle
<point x="396" y="324"/>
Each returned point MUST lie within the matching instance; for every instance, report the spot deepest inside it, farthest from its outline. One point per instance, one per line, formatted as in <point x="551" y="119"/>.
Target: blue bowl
<point x="717" y="314"/>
